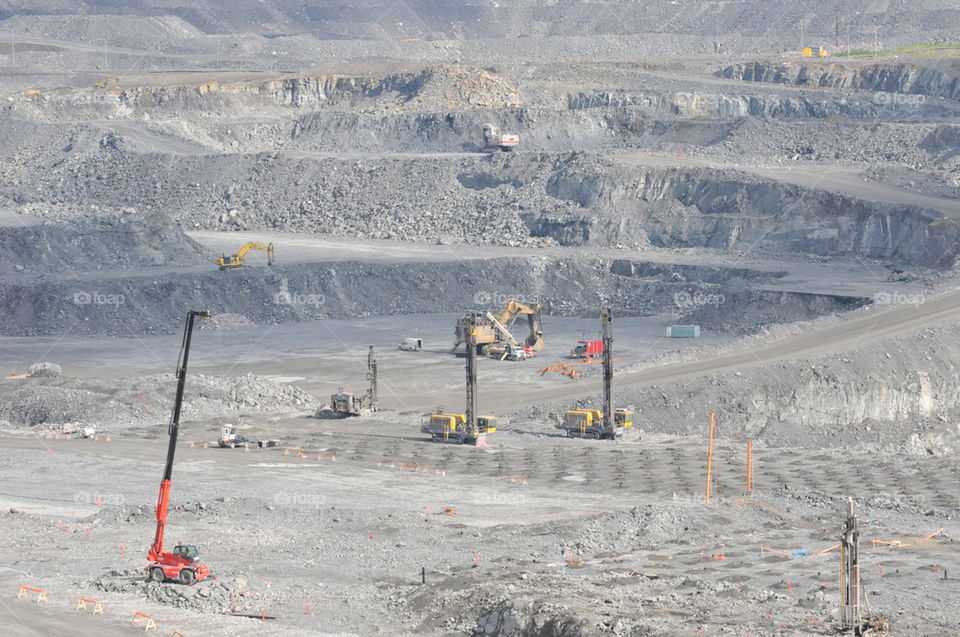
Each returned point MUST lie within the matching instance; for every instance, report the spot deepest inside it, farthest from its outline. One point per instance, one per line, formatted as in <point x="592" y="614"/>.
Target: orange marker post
<point x="710" y="454"/>
<point x="749" y="466"/>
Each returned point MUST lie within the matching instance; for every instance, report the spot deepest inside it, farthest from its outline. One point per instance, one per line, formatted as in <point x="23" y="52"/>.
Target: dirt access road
<point x="322" y="355"/>
<point x="831" y="339"/>
<point x="794" y="275"/>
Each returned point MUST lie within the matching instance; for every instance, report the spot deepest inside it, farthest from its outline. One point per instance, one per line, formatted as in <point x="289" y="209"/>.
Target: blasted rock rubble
<point x="135" y="402"/>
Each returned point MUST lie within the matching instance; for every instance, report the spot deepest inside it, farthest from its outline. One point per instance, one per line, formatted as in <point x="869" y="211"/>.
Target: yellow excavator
<point x="238" y="260"/>
<point x="493" y="337"/>
<point x="106" y="82"/>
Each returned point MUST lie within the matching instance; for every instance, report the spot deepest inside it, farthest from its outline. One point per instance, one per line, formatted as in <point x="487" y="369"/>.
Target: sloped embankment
<point x="914" y="79"/>
<point x="127" y="242"/>
<point x="571" y="198"/>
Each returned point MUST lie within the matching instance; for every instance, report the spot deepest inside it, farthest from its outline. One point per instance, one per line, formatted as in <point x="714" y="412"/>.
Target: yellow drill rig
<point x="238" y="260"/>
<point x="468" y="428"/>
<point x="607" y="423"/>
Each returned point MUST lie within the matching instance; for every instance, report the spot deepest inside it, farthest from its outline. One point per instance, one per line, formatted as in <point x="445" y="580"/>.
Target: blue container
<point x="683" y="331"/>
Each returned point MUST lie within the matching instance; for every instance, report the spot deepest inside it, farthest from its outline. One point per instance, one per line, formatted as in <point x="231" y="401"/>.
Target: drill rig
<point x="608" y="422"/>
<point x="181" y="564"/>
<point x="345" y="404"/>
<point x="468" y="427"/>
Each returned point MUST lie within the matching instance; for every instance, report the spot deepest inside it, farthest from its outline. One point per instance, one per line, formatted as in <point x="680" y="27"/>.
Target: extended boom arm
<point x="156" y="549"/>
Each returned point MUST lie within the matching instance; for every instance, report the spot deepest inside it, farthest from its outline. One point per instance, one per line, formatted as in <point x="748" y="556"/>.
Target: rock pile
<point x="141" y="401"/>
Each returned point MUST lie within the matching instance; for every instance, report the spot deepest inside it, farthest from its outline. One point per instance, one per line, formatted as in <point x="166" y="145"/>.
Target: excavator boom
<point x="495" y="328"/>
<point x="514" y="308"/>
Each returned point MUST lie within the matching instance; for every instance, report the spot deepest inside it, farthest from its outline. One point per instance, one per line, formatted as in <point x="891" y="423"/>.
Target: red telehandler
<point x="181" y="565"/>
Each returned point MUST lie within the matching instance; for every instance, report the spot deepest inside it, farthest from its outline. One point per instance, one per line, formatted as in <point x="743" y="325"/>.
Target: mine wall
<point x="570" y="199"/>
<point x="889" y="78"/>
<point x="152" y="303"/>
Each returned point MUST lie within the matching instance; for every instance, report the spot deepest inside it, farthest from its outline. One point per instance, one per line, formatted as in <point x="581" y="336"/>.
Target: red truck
<point x="587" y="349"/>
